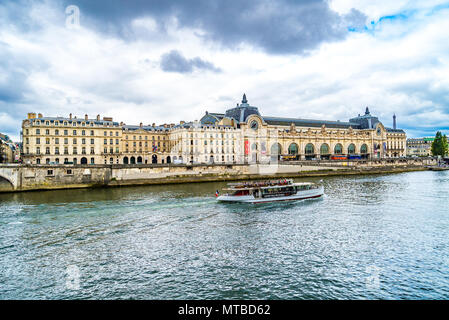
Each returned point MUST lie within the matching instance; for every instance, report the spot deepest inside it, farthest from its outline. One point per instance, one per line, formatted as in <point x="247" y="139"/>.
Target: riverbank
<point x="178" y="242"/>
<point x="52" y="177"/>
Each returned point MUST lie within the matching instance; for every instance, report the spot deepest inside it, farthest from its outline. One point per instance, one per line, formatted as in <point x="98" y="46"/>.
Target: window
<point x="38" y="140"/>
<point x="47" y="150"/>
<point x="66" y="132"/>
<point x="83" y="132"/>
<point x="74" y="140"/>
<point x="47" y="141"/>
<point x="74" y="132"/>
<point x="83" y="141"/>
<point x="69" y="171"/>
<point x="47" y="132"/>
<point x="91" y="132"/>
<point x="49" y="172"/>
<point x="57" y="150"/>
<point x="56" y="132"/>
<point x="92" y="150"/>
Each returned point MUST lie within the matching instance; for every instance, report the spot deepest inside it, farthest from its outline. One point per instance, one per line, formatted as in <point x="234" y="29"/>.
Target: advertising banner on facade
<point x="246" y="147"/>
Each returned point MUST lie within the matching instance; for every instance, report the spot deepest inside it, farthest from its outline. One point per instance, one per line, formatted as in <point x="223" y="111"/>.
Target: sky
<point x="155" y="61"/>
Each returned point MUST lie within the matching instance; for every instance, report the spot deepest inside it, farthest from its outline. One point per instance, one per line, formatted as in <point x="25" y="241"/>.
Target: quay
<point x="18" y="178"/>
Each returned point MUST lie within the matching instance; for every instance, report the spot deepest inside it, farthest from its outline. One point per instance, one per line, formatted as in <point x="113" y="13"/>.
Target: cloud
<point x="174" y="61"/>
<point x="280" y="27"/>
<point x="291" y="58"/>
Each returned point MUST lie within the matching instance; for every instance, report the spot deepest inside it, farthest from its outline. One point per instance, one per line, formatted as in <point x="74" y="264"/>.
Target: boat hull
<point x="301" y="195"/>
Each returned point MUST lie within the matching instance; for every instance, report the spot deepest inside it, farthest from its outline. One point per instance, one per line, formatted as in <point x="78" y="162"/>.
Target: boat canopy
<point x="270" y="184"/>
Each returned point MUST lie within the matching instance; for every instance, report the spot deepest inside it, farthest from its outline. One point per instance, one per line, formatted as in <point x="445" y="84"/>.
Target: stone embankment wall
<point x="41" y="177"/>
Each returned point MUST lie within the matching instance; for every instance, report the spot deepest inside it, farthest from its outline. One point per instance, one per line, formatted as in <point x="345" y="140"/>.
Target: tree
<point x="439" y="145"/>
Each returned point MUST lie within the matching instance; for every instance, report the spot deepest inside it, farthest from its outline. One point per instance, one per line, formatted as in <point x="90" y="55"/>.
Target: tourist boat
<point x="269" y="191"/>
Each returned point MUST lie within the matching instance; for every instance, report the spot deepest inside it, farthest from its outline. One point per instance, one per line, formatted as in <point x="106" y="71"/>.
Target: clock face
<point x="254" y="125"/>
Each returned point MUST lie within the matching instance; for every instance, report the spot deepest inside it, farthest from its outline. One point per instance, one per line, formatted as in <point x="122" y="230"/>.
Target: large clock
<point x="254" y="125"/>
<point x="379" y="131"/>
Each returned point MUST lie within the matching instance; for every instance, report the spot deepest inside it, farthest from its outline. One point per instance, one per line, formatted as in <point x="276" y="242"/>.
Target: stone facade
<point x="419" y="147"/>
<point x="240" y="135"/>
<point x="9" y="151"/>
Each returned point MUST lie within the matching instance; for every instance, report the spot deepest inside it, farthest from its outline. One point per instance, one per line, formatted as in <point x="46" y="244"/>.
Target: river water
<point x="370" y="237"/>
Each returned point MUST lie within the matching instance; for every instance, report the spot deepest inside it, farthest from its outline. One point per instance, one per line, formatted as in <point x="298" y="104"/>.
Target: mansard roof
<point x="146" y="128"/>
<point x="395" y="130"/>
<point x="309" y="123"/>
<point x="77" y="120"/>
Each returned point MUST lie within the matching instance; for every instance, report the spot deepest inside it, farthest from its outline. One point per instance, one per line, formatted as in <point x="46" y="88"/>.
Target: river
<point x="370" y="237"/>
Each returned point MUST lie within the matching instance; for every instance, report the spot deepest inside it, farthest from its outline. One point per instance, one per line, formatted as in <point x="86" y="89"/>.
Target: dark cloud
<point x="281" y="27"/>
<point x="174" y="61"/>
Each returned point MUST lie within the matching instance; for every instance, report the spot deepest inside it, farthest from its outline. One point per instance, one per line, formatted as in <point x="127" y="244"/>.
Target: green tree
<point x="439" y="145"/>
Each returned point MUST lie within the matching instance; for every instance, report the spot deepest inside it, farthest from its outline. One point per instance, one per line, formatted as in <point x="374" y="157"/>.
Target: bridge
<point x="9" y="177"/>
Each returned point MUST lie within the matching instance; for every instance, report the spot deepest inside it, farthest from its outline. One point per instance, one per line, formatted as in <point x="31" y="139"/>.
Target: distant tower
<point x="244" y="99"/>
<point x="394" y="121"/>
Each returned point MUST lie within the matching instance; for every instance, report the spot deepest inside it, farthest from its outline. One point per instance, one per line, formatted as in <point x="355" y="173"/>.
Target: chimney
<point x="31" y="115"/>
<point x="394" y="121"/>
<point x="182" y="122"/>
<point x="153" y="125"/>
<point x="40" y="115"/>
<point x="141" y="125"/>
<point x="121" y="123"/>
<point x="70" y="116"/>
<point x="98" y="117"/>
<point x="86" y="117"/>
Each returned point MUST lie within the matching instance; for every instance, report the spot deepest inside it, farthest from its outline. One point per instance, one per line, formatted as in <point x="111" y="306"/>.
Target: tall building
<point x="239" y="135"/>
<point x="9" y="151"/>
<point x="259" y="138"/>
<point x="420" y="147"/>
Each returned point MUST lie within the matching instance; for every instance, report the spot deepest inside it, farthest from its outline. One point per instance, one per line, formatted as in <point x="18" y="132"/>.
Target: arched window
<point x="351" y="149"/>
<point x="133" y="160"/>
<point x="83" y="160"/>
<point x="293" y="149"/>
<point x="139" y="160"/>
<point x="324" y="149"/>
<point x="154" y="159"/>
<point x="310" y="149"/>
<point x="125" y="160"/>
<point x="276" y="149"/>
<point x="364" y="149"/>
<point x="338" y="149"/>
